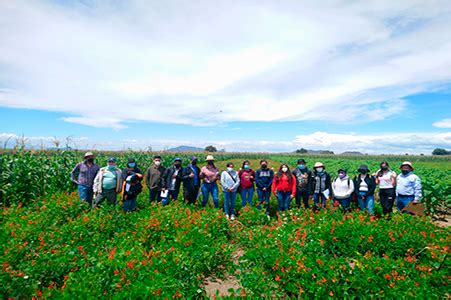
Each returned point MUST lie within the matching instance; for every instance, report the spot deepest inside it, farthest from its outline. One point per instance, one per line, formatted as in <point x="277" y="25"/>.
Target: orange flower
<point x="331" y="293"/>
<point x="277" y="278"/>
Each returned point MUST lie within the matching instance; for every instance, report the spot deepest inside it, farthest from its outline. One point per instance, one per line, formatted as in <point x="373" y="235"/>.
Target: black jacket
<point x="188" y="182"/>
<point x="370" y="181"/>
<point x="297" y="173"/>
<point x="328" y="183"/>
<point x="167" y="178"/>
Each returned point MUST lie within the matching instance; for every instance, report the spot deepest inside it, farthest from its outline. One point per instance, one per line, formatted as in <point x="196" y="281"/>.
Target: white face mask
<point x="157" y="163"/>
<point x="284" y="169"/>
<point x="229" y="169"/>
<point x="319" y="170"/>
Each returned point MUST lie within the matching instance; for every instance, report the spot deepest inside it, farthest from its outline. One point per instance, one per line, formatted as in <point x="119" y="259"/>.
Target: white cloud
<point x="209" y="62"/>
<point x="445" y="123"/>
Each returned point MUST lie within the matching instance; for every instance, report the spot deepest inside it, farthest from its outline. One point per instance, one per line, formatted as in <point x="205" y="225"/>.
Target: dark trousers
<point x="387" y="198"/>
<point x="155" y="194"/>
<point x="304" y="195"/>
<point x="109" y="195"/>
<point x="190" y="194"/>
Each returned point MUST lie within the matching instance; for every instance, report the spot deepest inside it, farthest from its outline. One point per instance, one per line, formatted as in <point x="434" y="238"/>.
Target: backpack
<point x="133" y="186"/>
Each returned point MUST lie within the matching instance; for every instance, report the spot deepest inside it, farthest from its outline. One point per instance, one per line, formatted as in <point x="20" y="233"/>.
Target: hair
<point x="230" y="164"/>
<point x="246" y="162"/>
<point x="212" y="163"/>
<point x="384" y="163"/>
<point x="301" y="161"/>
<point x="279" y="173"/>
<point x="263" y="160"/>
<point x="157" y="157"/>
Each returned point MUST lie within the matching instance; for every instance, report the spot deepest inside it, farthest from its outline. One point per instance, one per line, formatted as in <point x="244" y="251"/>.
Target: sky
<point x="266" y="76"/>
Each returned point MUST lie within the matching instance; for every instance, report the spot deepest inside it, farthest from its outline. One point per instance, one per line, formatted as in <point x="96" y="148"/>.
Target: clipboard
<point x="416" y="209"/>
<point x="164" y="194"/>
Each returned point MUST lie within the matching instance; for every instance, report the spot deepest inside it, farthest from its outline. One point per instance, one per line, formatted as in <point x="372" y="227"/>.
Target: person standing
<point x="171" y="181"/>
<point x="153" y="179"/>
<point x="247" y="178"/>
<point x="386" y="179"/>
<point x="303" y="183"/>
<point x="342" y="188"/>
<point x="210" y="175"/>
<point x="191" y="181"/>
<point x="408" y="186"/>
<point x="230" y="182"/>
<point x="321" y="185"/>
<point x="108" y="183"/>
<point x="83" y="176"/>
<point x="284" y="187"/>
<point x="365" y="185"/>
<point x="263" y="179"/>
<point x="132" y="187"/>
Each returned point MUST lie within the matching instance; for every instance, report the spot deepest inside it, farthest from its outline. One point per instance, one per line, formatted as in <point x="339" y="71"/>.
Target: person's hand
<point x="174" y="176"/>
<point x="191" y="175"/>
<point x="264" y="189"/>
<point x="363" y="197"/>
<point x="416" y="201"/>
<point x="292" y="196"/>
<point x="75" y="181"/>
<point x="252" y="177"/>
<point x="230" y="190"/>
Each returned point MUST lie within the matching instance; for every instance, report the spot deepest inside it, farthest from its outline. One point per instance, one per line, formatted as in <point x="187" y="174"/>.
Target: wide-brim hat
<point x="406" y="163"/>
<point x="88" y="154"/>
<point x="210" y="157"/>
<point x="318" y="165"/>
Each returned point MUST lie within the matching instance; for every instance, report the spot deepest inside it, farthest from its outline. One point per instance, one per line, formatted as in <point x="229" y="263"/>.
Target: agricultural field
<point x="53" y="246"/>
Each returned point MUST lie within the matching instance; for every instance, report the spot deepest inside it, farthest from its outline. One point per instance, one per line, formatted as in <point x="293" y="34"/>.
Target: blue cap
<point x="177" y="159"/>
<point x="111" y="159"/>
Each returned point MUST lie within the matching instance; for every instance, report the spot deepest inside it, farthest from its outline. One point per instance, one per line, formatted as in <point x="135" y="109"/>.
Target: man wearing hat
<point x="108" y="183"/>
<point x="171" y="181"/>
<point x="83" y="176"/>
<point x="191" y="181"/>
<point x="153" y="179"/>
<point x="408" y="186"/>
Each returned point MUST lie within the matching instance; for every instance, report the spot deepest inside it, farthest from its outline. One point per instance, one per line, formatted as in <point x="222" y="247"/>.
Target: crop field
<point x="53" y="246"/>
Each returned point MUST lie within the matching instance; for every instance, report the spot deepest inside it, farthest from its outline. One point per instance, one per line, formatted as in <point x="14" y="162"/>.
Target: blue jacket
<point x="263" y="178"/>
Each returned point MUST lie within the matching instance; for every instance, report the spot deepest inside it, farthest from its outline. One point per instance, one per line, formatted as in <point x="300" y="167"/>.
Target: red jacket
<point x="245" y="178"/>
<point x="284" y="185"/>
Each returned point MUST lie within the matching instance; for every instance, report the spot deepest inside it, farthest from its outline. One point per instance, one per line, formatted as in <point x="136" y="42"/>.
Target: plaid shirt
<point x="84" y="174"/>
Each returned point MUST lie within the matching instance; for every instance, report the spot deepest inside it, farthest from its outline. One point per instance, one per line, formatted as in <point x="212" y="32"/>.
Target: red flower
<point x="277" y="278"/>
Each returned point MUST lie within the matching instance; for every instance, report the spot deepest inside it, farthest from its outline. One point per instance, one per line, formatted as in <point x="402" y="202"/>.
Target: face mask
<point x="90" y="160"/>
<point x="384" y="168"/>
<point x="111" y="167"/>
<point x="157" y="163"/>
<point x="177" y="165"/>
<point x="341" y="175"/>
<point x="405" y="172"/>
<point x="210" y="163"/>
<point x="264" y="166"/>
<point x="246" y="167"/>
<point x="362" y="172"/>
<point x="319" y="170"/>
<point x="229" y="169"/>
<point x="301" y="167"/>
<point x="284" y="169"/>
<point x="131" y="165"/>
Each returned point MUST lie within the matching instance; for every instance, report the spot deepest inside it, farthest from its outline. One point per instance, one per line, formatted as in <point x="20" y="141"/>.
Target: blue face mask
<point x="246" y="166"/>
<point x="132" y="165"/>
<point x="111" y="167"/>
<point x="301" y="167"/>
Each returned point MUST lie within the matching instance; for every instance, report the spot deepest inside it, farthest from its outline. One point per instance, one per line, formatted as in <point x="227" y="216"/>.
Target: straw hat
<point x="406" y="163"/>
<point x="88" y="154"/>
<point x="210" y="157"/>
<point x="318" y="165"/>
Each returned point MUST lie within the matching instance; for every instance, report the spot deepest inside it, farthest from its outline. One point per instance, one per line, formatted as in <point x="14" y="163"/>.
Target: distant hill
<point x="186" y="149"/>
<point x="352" y="153"/>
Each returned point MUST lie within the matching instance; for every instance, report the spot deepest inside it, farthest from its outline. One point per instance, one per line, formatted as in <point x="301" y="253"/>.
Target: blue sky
<point x="255" y="76"/>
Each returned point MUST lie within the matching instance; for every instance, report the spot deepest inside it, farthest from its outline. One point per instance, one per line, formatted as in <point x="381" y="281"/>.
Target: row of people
<point x="300" y="184"/>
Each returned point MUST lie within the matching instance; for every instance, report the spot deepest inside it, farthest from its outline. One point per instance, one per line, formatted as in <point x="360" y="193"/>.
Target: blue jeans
<point x="229" y="202"/>
<point x="210" y="188"/>
<point x="345" y="203"/>
<point x="316" y="199"/>
<point x="130" y="204"/>
<point x="263" y="197"/>
<point x="403" y="200"/>
<point x="283" y="200"/>
<point x="171" y="195"/>
<point x="367" y="204"/>
<point x="246" y="196"/>
<point x="86" y="193"/>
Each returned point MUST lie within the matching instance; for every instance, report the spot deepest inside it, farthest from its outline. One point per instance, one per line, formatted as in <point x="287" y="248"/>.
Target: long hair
<point x="280" y="173"/>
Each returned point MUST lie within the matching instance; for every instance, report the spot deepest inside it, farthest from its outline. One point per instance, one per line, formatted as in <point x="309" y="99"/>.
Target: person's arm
<point x="237" y="183"/>
<point x="274" y="188"/>
<point x="351" y="188"/>
<point x="164" y="179"/>
<point x="74" y="173"/>
<point x="393" y="179"/>
<point x="185" y="173"/>
<point x="417" y="189"/>
<point x="258" y="180"/>
<point x="120" y="180"/>
<point x="372" y="187"/>
<point x="293" y="186"/>
<point x="224" y="181"/>
<point x="147" y="178"/>
<point x="97" y="182"/>
<point x="271" y="178"/>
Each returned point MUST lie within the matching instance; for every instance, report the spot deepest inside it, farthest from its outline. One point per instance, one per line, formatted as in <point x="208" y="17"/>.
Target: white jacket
<point x="342" y="188"/>
<point x="98" y="181"/>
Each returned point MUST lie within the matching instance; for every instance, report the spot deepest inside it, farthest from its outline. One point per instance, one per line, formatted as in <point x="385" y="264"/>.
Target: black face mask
<point x="405" y="172"/>
<point x="177" y="166"/>
<point x="384" y="168"/>
<point x="210" y="163"/>
<point x="264" y="166"/>
<point x="194" y="163"/>
<point x="90" y="160"/>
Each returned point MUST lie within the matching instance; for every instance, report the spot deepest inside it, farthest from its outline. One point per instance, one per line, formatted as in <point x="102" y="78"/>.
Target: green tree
<point x="211" y="149"/>
<point x="441" y="151"/>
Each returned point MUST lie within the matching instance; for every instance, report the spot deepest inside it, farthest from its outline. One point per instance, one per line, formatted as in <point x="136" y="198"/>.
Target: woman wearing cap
<point x="247" y="178"/>
<point x="171" y="181"/>
<point x="83" y="176"/>
<point x="365" y="185"/>
<point x="342" y="188"/>
<point x="408" y="186"/>
<point x="108" y="183"/>
<point x="210" y="176"/>
<point x="386" y="179"/>
<point x="321" y="187"/>
<point x="230" y="182"/>
<point x="284" y="187"/>
<point x="132" y="187"/>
